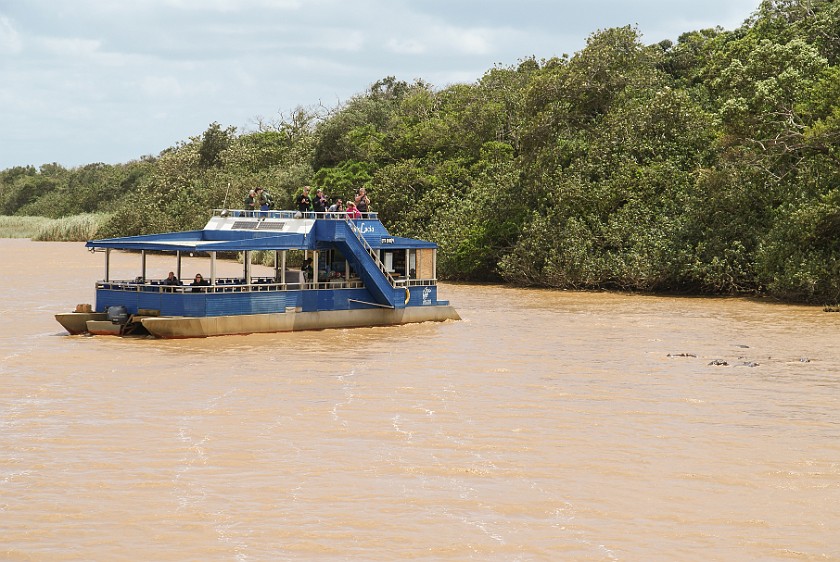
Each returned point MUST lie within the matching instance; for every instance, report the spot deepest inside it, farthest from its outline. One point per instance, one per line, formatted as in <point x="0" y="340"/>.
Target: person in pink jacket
<point x="352" y="211"/>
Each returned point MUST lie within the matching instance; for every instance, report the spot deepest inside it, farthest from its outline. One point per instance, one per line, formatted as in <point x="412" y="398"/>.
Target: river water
<point x="546" y="425"/>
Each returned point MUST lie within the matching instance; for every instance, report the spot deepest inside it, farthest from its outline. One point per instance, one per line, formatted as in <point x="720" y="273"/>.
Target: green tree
<point x="214" y="141"/>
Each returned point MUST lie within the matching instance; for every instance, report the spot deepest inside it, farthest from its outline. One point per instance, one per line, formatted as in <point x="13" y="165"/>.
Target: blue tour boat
<point x="361" y="275"/>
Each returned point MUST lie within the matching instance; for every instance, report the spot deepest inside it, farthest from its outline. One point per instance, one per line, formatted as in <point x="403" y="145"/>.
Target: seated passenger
<point x="171" y="279"/>
<point x="199" y="281"/>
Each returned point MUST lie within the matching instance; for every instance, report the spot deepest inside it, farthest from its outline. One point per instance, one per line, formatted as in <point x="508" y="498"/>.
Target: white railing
<point x="226" y="287"/>
<point x="242" y="213"/>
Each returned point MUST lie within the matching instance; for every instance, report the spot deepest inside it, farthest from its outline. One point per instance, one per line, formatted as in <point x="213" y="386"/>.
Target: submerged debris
<point x="720" y="362"/>
<point x="747" y="364"/>
<point x="682" y="355"/>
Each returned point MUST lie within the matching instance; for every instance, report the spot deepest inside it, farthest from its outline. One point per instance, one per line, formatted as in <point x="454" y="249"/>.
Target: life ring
<point x="407" y="295"/>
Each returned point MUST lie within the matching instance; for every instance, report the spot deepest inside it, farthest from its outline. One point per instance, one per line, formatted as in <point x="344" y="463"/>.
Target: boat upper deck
<point x="239" y="230"/>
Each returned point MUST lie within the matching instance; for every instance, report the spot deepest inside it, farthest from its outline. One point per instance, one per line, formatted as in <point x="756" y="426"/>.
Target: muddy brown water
<point x="547" y="425"/>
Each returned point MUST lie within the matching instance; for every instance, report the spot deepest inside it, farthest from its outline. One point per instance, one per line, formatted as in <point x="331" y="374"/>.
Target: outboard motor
<point x="117" y="314"/>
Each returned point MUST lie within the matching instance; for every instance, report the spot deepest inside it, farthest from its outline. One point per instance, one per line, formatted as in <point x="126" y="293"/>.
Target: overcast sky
<point x="85" y="81"/>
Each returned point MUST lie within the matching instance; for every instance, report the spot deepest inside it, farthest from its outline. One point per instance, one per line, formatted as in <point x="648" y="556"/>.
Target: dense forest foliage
<point x="710" y="165"/>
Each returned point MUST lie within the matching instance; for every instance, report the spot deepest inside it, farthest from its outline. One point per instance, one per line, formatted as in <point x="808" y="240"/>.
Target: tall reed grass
<point x="77" y="228"/>
<point x="21" y="227"/>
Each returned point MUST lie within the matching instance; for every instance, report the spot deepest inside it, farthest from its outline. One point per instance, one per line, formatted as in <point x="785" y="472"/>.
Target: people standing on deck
<point x="337" y="206"/>
<point x="319" y="202"/>
<point x="263" y="199"/>
<point x="353" y="211"/>
<point x="171" y="279"/>
<point x="251" y="202"/>
<point x="362" y="201"/>
<point x="304" y="204"/>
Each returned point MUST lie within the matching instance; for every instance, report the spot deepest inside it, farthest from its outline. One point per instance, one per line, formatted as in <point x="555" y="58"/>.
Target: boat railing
<point x="416" y="282"/>
<point x="371" y="252"/>
<point x="228" y="286"/>
<point x="335" y="216"/>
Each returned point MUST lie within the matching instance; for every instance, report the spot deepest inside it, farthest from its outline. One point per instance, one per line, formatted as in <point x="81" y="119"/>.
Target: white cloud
<point x="161" y="86"/>
<point x="232" y="5"/>
<point x="338" y="39"/>
<point x="10" y="41"/>
<point x="470" y="41"/>
<point x="72" y="47"/>
<point x="406" y="46"/>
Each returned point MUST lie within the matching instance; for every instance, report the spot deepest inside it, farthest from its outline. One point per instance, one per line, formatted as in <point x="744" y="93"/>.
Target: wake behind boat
<point x="360" y="275"/>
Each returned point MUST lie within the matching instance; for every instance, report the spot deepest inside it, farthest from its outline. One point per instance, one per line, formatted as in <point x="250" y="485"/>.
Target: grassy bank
<point x="77" y="228"/>
<point x="21" y="227"/>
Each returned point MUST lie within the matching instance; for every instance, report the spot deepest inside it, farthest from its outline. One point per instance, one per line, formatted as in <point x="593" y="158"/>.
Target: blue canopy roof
<point x="233" y="234"/>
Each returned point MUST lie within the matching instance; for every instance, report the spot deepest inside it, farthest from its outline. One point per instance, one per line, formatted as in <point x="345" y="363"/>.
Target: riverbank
<point x="76" y="228"/>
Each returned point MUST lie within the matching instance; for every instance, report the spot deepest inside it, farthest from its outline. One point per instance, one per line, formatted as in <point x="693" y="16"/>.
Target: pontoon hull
<point x="187" y="327"/>
<point x="104" y="328"/>
<point x="76" y="322"/>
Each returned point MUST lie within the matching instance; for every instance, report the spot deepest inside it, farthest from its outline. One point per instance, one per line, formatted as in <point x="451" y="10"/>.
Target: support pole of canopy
<point x="143" y="267"/>
<point x="407" y="263"/>
<point x="315" y="269"/>
<point x="276" y="266"/>
<point x="107" y="264"/>
<point x="178" y="266"/>
<point x="212" y="268"/>
<point x="283" y="267"/>
<point x="246" y="257"/>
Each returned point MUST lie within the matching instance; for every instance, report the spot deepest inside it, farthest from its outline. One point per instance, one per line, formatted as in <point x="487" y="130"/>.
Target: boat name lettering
<point x="387" y="240"/>
<point x="365" y="228"/>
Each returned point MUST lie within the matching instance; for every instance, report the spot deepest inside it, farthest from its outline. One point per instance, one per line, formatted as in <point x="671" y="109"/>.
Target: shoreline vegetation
<point x="76" y="228"/>
<point x="705" y="166"/>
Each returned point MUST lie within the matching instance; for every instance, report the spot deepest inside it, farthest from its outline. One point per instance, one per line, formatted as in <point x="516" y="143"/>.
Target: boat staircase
<point x="381" y="284"/>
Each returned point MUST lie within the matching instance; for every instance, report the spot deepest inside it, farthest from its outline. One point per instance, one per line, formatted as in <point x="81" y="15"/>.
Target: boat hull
<point x="188" y="327"/>
<point x="104" y="328"/>
<point x="76" y="322"/>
